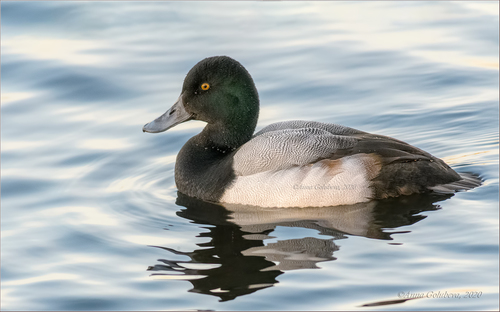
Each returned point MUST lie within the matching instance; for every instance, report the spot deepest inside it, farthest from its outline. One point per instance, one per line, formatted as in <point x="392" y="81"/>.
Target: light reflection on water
<point x="91" y="218"/>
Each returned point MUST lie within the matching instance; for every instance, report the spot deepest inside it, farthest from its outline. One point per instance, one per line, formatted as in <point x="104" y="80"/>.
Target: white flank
<point x="344" y="181"/>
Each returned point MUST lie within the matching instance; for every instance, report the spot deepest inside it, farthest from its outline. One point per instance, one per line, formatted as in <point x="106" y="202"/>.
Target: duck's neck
<point x="226" y="137"/>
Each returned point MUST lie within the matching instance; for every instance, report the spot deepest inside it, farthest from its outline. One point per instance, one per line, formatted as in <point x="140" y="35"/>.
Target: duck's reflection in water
<point x="237" y="261"/>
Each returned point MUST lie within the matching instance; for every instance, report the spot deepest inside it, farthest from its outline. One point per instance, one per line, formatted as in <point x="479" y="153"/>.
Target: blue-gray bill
<point x="175" y="115"/>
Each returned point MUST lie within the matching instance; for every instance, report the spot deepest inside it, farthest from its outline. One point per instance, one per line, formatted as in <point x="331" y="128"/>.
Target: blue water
<point x="91" y="218"/>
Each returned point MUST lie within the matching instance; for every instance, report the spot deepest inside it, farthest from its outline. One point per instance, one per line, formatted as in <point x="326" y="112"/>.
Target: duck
<point x="290" y="163"/>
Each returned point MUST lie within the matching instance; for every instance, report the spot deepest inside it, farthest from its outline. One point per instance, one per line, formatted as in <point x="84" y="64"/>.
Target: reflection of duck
<point x="292" y="163"/>
<point x="237" y="261"/>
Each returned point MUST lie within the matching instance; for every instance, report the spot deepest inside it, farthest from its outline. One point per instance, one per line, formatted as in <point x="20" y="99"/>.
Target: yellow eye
<point x="205" y="86"/>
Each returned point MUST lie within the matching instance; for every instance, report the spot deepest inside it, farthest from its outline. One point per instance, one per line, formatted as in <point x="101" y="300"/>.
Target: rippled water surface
<point x="91" y="218"/>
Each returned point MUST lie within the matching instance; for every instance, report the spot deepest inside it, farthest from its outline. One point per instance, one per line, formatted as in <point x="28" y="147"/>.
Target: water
<point x="91" y="219"/>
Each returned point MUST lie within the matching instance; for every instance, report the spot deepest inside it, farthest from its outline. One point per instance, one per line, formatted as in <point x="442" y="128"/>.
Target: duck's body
<point x="287" y="164"/>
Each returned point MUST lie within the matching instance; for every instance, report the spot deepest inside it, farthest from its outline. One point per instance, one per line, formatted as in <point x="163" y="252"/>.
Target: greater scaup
<point x="292" y="163"/>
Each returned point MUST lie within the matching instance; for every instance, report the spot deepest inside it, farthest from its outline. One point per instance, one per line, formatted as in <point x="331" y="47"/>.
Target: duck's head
<point x="219" y="91"/>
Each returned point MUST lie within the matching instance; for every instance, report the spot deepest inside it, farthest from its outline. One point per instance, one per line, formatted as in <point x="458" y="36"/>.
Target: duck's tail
<point x="468" y="181"/>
